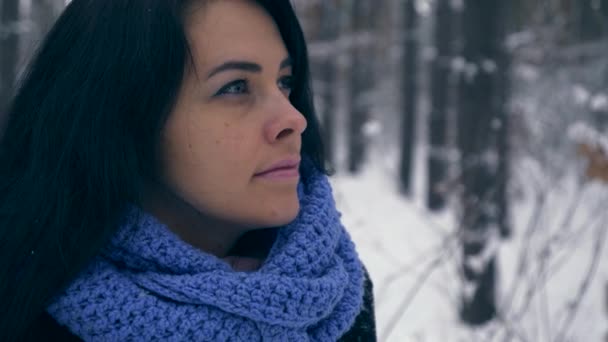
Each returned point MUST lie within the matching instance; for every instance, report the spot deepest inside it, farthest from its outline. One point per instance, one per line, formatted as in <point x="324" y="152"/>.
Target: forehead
<point x="232" y="29"/>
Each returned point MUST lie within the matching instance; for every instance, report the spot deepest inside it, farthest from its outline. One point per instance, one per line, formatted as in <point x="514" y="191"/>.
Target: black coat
<point x="45" y="328"/>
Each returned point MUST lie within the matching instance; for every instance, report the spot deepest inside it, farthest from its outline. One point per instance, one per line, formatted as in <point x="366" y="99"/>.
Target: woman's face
<point x="231" y="146"/>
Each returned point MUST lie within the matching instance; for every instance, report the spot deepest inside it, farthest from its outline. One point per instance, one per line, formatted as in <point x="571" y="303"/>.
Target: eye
<point x="286" y="83"/>
<point x="234" y="88"/>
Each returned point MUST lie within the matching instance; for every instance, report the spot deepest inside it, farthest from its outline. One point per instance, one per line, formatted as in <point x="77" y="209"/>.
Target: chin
<point x="282" y="215"/>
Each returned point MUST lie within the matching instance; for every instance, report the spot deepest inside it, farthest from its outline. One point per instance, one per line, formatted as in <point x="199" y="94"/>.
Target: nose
<point x="286" y="121"/>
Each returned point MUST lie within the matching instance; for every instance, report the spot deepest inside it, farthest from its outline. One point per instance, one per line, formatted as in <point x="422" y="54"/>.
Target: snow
<point x="599" y="103"/>
<point x="413" y="258"/>
<point x="583" y="133"/>
<point x="581" y="94"/>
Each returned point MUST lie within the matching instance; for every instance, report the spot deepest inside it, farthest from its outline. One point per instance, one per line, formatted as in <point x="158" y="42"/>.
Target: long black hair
<point x="82" y="138"/>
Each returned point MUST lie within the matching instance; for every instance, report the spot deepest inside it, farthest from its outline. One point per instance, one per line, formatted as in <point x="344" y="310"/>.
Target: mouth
<point x="284" y="169"/>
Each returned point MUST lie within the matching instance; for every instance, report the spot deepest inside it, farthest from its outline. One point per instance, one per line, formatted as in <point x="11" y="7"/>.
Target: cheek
<point x="210" y="143"/>
<point x="203" y="158"/>
<point x="229" y="151"/>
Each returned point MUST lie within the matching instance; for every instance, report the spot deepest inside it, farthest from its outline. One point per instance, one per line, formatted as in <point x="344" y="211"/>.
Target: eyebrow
<point x="244" y="66"/>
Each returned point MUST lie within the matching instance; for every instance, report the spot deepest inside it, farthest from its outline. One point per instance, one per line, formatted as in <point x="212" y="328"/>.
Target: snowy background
<point x="557" y="257"/>
<point x="553" y="271"/>
<point x="552" y="274"/>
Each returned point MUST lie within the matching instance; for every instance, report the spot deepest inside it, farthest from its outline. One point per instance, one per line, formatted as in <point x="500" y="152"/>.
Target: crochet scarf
<point x="150" y="285"/>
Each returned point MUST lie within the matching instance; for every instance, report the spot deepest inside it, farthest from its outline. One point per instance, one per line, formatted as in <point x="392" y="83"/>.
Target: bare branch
<point x="402" y="307"/>
<point x="584" y="286"/>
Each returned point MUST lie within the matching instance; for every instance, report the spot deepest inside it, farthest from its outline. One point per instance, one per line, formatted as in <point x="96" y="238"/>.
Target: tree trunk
<point x="592" y="19"/>
<point x="501" y="129"/>
<point x="9" y="53"/>
<point x="438" y="151"/>
<point x="328" y="77"/>
<point x="482" y="142"/>
<point x="361" y="81"/>
<point x="410" y="95"/>
<point x="44" y="14"/>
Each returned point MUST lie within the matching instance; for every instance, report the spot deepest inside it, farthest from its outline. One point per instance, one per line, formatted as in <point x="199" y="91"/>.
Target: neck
<point x="211" y="236"/>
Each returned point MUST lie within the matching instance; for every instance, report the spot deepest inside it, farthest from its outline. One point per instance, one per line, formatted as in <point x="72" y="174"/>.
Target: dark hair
<point x="82" y="138"/>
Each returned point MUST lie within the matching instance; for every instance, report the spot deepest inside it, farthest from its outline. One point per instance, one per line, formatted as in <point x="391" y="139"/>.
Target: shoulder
<point x="364" y="328"/>
<point x="86" y="303"/>
<point x="45" y="328"/>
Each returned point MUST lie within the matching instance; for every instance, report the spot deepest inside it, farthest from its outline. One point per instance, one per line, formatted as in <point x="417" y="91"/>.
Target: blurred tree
<point x="438" y="118"/>
<point x="482" y="142"/>
<point x="22" y="26"/>
<point x="362" y="80"/>
<point x="43" y="14"/>
<point x="327" y="75"/>
<point x="591" y="19"/>
<point x="570" y="21"/>
<point x="410" y="95"/>
<point x="9" y="52"/>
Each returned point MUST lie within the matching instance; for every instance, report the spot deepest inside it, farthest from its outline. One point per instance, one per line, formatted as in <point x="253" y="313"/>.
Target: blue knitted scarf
<point x="150" y="285"/>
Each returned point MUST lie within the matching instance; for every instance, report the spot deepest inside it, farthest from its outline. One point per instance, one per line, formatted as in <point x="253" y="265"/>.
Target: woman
<point x="162" y="179"/>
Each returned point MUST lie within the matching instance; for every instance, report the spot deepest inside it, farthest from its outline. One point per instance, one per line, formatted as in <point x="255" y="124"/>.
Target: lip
<point x="286" y="168"/>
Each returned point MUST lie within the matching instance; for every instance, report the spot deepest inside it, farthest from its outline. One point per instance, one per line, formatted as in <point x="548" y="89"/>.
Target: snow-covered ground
<point x="413" y="258"/>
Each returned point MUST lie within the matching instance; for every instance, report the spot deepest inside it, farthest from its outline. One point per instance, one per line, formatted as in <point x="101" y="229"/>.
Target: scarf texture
<point x="150" y="285"/>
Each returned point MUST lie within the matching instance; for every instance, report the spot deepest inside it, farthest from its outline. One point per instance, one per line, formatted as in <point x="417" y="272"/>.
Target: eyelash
<point x="289" y="82"/>
<point x="226" y="90"/>
<point x="285" y="83"/>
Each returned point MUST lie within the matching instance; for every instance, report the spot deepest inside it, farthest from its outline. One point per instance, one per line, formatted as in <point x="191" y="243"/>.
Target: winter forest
<point x="469" y="143"/>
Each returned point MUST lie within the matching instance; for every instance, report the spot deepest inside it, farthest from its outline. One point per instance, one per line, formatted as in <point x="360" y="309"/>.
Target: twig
<point x="544" y="307"/>
<point x="538" y="279"/>
<point x="510" y="330"/>
<point x="394" y="276"/>
<point x="582" y="290"/>
<point x="533" y="224"/>
<point x="390" y="327"/>
<point x="575" y="235"/>
<point x="542" y="276"/>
